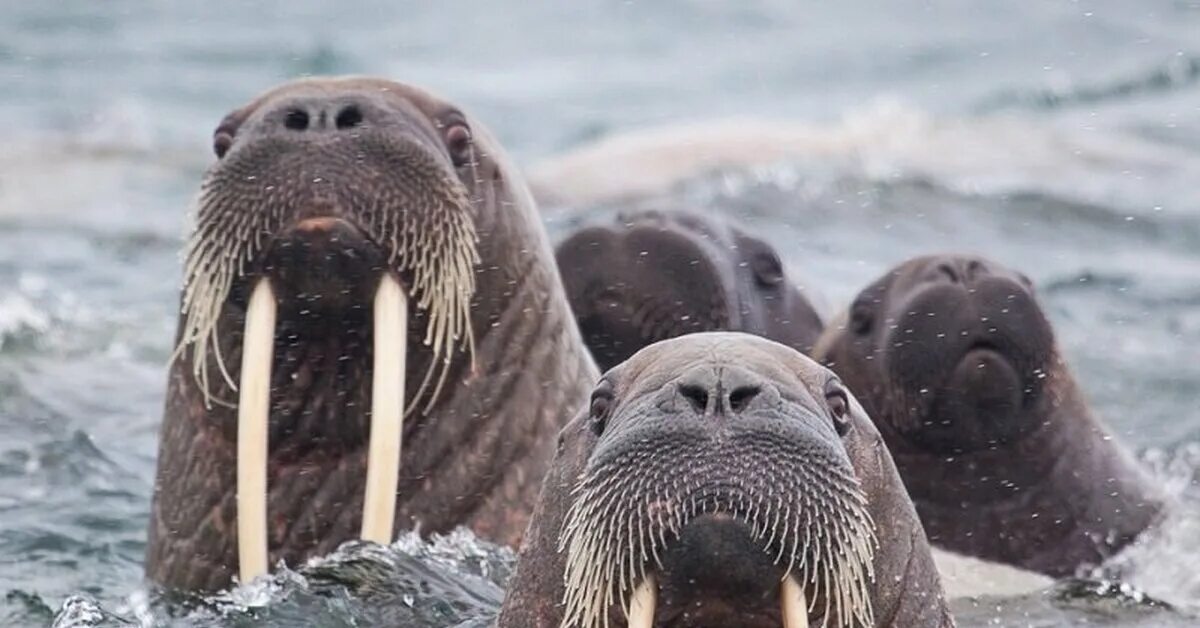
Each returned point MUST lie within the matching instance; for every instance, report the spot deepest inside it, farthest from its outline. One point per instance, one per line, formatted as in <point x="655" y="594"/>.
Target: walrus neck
<point x="530" y="373"/>
<point x="1042" y="502"/>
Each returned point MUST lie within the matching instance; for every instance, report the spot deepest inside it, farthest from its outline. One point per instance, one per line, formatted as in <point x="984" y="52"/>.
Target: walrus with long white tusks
<point x="722" y="479"/>
<point x="373" y="337"/>
<point x="957" y="364"/>
<point x="655" y="275"/>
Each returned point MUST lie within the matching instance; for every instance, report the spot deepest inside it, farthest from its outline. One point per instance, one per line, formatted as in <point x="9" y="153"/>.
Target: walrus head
<point x="951" y="351"/>
<point x="325" y="187"/>
<point x="958" y="365"/>
<point x="657" y="275"/>
<point x="721" y="479"/>
<point x="356" y="243"/>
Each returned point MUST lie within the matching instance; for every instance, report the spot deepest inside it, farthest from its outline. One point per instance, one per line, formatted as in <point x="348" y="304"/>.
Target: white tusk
<point x="795" y="607"/>
<point x="387" y="411"/>
<point x="642" y="603"/>
<point x="254" y="405"/>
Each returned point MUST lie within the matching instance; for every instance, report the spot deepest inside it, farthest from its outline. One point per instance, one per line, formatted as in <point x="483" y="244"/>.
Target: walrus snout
<point x="979" y="406"/>
<point x="967" y="349"/>
<point x="324" y="267"/>
<point x="324" y="187"/>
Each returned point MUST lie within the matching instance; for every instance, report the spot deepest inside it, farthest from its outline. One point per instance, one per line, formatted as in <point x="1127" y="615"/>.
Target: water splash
<point x="446" y="580"/>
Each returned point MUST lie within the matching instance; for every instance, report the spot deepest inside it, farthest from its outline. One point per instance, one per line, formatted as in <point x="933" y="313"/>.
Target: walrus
<point x="723" y="479"/>
<point x="959" y="367"/>
<point x="655" y="275"/>
<point x="366" y="264"/>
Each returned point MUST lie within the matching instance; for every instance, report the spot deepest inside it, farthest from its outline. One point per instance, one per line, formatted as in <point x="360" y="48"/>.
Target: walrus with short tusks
<point x="370" y="306"/>
<point x="957" y="364"/>
<point x="655" y="275"/>
<point x="722" y="479"/>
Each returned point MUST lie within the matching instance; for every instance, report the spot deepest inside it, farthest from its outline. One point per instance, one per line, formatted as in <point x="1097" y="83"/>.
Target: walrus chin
<point x="324" y="251"/>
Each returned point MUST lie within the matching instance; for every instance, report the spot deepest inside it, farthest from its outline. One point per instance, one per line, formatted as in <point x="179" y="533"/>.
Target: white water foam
<point x="887" y="140"/>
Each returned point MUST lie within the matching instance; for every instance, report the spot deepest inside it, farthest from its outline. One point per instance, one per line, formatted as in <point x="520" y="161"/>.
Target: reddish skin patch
<point x="318" y="225"/>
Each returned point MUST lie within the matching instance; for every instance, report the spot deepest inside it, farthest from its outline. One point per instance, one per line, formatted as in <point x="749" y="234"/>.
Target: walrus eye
<point x="768" y="270"/>
<point x="602" y="399"/>
<point x="221" y="143"/>
<point x="458" y="143"/>
<point x="860" y="318"/>
<point x="839" y="409"/>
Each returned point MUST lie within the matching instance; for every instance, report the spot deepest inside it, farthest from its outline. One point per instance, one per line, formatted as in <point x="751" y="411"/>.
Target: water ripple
<point x="1177" y="73"/>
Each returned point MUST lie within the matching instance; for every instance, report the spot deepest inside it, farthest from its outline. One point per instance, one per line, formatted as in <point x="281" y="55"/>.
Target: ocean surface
<point x="1061" y="138"/>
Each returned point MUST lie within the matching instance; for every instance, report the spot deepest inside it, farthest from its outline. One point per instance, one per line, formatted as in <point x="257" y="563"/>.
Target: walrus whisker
<point x="254" y="406"/>
<point x="793" y="603"/>
<point x="387" y="410"/>
<point x="210" y="266"/>
<point x="427" y="230"/>
<point x="823" y="539"/>
<point x="444" y="279"/>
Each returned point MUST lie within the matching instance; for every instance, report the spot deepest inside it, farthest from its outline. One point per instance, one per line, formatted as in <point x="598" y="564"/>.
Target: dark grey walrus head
<point x="721" y="479"/>
<point x="653" y="275"/>
<point x="957" y="363"/>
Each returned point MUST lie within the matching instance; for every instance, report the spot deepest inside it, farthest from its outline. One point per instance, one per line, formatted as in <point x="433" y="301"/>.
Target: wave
<point x="446" y="580"/>
<point x="1175" y="74"/>
<point x="886" y="141"/>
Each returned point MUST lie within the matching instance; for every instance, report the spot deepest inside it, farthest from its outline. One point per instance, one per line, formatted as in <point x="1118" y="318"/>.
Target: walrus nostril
<point x="949" y="271"/>
<point x="696" y="395"/>
<point x="349" y="117"/>
<point x="296" y="120"/>
<point x="975" y="270"/>
<point x="742" y="396"/>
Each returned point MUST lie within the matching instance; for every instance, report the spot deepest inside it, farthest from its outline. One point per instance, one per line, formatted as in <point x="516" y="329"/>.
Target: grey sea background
<point x="1058" y="137"/>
